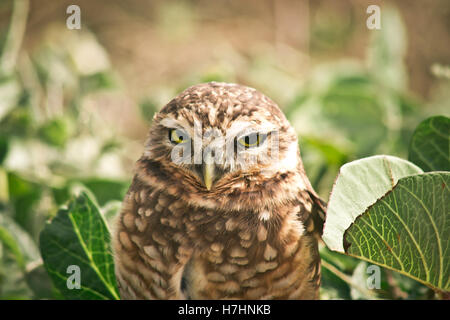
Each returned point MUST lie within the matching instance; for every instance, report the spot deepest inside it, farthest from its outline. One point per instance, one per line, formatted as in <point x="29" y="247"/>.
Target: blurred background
<point x="75" y="105"/>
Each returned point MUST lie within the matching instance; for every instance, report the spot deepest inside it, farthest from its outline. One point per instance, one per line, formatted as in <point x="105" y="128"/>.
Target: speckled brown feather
<point x="253" y="236"/>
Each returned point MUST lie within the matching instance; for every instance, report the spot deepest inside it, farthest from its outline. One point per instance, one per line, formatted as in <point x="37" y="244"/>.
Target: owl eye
<point x="252" y="140"/>
<point x="178" y="136"/>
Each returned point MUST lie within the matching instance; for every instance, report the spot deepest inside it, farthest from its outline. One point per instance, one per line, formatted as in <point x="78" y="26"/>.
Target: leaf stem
<point x="347" y="279"/>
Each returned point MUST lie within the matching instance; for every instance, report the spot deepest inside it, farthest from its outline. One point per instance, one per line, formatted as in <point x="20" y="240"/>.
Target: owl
<point x="220" y="206"/>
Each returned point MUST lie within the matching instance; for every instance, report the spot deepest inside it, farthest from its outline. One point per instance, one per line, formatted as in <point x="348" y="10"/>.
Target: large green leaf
<point x="408" y="230"/>
<point x="79" y="236"/>
<point x="430" y="144"/>
<point x="360" y="184"/>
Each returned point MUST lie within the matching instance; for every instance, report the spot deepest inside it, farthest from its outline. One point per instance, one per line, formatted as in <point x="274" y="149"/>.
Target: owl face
<point x="218" y="139"/>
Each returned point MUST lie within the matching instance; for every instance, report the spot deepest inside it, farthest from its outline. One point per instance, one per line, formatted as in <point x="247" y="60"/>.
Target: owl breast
<point x="170" y="249"/>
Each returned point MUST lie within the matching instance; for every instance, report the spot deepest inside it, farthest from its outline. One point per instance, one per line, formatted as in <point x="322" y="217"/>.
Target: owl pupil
<point x="251" y="140"/>
<point x="177" y="136"/>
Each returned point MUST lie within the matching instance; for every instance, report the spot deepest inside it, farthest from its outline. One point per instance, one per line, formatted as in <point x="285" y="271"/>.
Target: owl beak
<point x="209" y="174"/>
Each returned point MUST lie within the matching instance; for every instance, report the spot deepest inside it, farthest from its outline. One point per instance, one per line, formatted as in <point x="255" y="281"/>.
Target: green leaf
<point x="332" y="287"/>
<point x="98" y="81"/>
<point x="359" y="184"/>
<point x="387" y="50"/>
<point x="403" y="285"/>
<point x="343" y="262"/>
<point x="17" y="241"/>
<point x="17" y="251"/>
<point x="79" y="236"/>
<point x="148" y="107"/>
<point x="4" y="190"/>
<point x="103" y="189"/>
<point x="332" y="154"/>
<point x="12" y="283"/>
<point x="111" y="211"/>
<point x="4" y="147"/>
<point x="430" y="144"/>
<point x="22" y="275"/>
<point x="359" y="277"/>
<point x="408" y="230"/>
<point x="24" y="195"/>
<point x="347" y="106"/>
<point x="18" y="122"/>
<point x="56" y="132"/>
<point x="106" y="189"/>
<point x="10" y="92"/>
<point x="40" y="283"/>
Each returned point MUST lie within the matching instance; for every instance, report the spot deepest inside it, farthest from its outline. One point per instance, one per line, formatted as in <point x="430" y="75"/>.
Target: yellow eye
<point x="252" y="140"/>
<point x="178" y="136"/>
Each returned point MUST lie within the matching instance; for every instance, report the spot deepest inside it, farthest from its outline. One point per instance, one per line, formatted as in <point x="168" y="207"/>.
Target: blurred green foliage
<point x="50" y="144"/>
<point x="53" y="142"/>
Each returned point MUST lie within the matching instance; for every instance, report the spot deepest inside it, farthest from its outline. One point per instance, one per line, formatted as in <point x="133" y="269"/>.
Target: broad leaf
<point x="430" y="144"/>
<point x="360" y="184"/>
<point x="78" y="236"/>
<point x="408" y="230"/>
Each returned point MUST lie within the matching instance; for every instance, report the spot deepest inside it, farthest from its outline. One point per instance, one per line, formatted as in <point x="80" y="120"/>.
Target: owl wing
<point x="312" y="213"/>
<point x="318" y="212"/>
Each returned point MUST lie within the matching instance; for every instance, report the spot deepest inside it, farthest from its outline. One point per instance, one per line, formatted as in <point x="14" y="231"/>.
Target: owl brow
<point x="173" y="124"/>
<point x="240" y="129"/>
<point x="252" y="130"/>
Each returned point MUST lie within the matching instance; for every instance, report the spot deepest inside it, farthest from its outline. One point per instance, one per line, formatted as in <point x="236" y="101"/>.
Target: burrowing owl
<point x="220" y="206"/>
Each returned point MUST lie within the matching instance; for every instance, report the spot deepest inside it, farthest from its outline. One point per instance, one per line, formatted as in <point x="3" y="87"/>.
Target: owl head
<point x="223" y="145"/>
